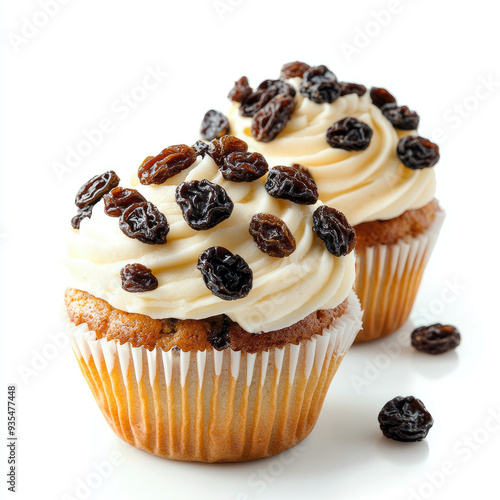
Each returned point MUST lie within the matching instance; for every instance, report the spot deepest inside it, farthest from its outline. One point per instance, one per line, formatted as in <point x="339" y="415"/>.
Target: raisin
<point x="244" y="167"/>
<point x="240" y="91"/>
<point x="81" y="213"/>
<point x="402" y="117"/>
<point x="220" y="340"/>
<point x="137" y="278"/>
<point x="349" y="134"/>
<point x="381" y="97"/>
<point x="218" y="149"/>
<point x="172" y="160"/>
<point x="272" y="235"/>
<point x="203" y="204"/>
<point x="352" y="88"/>
<point x="268" y="122"/>
<point x="293" y="70"/>
<point x="405" y="419"/>
<point x="214" y="125"/>
<point x="226" y="275"/>
<point x="266" y="91"/>
<point x="320" y="85"/>
<point x="435" y="339"/>
<point x="332" y="227"/>
<point x="417" y="152"/>
<point x="200" y="148"/>
<point x="144" y="222"/>
<point x="119" y="199"/>
<point x="303" y="169"/>
<point x="289" y="183"/>
<point x="94" y="189"/>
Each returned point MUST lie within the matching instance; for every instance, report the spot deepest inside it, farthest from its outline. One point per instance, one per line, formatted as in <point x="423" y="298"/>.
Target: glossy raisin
<point x="289" y="183"/>
<point x="218" y="149"/>
<point x="172" y="160"/>
<point x="417" y="152"/>
<point x="349" y="134"/>
<point x="272" y="235"/>
<point x="144" y="222"/>
<point x="94" y="189"/>
<point x="381" y="97"/>
<point x="352" y="88"/>
<point x="266" y="91"/>
<point x="303" y="169"/>
<point x="137" y="278"/>
<point x="320" y="85"/>
<point x="200" y="148"/>
<point x="268" y="122"/>
<point x="119" y="199"/>
<point x="214" y="125"/>
<point x="81" y="214"/>
<point x="240" y="91"/>
<point x="332" y="227"/>
<point x="225" y="274"/>
<point x="203" y="204"/>
<point x="401" y="117"/>
<point x="293" y="70"/>
<point x="244" y="167"/>
<point x="405" y="419"/>
<point x="435" y="339"/>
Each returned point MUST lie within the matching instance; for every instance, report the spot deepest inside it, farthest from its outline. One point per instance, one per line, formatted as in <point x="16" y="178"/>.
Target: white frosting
<point x="284" y="290"/>
<point x="366" y="185"/>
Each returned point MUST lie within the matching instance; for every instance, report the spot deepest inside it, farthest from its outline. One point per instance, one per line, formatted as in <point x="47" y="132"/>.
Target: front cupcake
<point x="210" y="309"/>
<point x="363" y="151"/>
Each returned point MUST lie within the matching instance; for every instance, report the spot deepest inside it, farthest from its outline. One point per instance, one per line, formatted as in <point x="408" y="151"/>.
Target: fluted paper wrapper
<point x="388" y="278"/>
<point x="214" y="406"/>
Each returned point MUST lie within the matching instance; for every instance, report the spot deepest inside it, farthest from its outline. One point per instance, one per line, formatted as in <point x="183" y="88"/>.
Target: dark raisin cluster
<point x="402" y="117"/>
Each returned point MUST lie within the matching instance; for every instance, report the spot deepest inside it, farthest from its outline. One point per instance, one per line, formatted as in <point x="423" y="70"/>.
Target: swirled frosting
<point x="366" y="185"/>
<point x="284" y="290"/>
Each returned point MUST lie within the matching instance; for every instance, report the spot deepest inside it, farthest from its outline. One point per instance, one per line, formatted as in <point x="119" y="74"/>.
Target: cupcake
<point x="369" y="162"/>
<point x="210" y="302"/>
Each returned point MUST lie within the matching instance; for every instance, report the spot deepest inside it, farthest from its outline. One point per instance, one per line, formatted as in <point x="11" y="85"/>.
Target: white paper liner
<point x="214" y="405"/>
<point x="388" y="278"/>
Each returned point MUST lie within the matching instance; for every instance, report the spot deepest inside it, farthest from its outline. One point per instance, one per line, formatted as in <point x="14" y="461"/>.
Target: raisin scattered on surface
<point x="435" y="339"/>
<point x="320" y="85"/>
<point x="200" y="148"/>
<point x="220" y="340"/>
<point x="381" y="97"/>
<point x="266" y="91"/>
<point x="240" y="91"/>
<point x="214" y="125"/>
<point x="218" y="149"/>
<point x="401" y="117"/>
<point x="417" y="152"/>
<point x="137" y="278"/>
<point x="144" y="222"/>
<point x="80" y="215"/>
<point x="119" y="199"/>
<point x="405" y="419"/>
<point x="349" y="134"/>
<point x="203" y="204"/>
<point x="172" y="160"/>
<point x="293" y="70"/>
<point x="352" y="88"/>
<point x="244" y="167"/>
<point x="332" y="227"/>
<point x="289" y="183"/>
<point x="268" y="122"/>
<point x="226" y="275"/>
<point x="272" y="235"/>
<point x="94" y="189"/>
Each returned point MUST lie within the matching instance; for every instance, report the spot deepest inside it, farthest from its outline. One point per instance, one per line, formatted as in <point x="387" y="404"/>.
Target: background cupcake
<point x="363" y="151"/>
<point x="209" y="312"/>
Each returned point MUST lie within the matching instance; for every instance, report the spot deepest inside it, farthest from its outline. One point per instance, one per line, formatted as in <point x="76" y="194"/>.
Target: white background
<point x="65" y="76"/>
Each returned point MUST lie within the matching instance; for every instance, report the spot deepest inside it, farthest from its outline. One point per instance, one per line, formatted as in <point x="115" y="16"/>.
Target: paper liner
<point x="387" y="280"/>
<point x="214" y="406"/>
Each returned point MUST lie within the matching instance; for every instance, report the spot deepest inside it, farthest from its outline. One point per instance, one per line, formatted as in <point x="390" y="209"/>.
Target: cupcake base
<point x="388" y="278"/>
<point x="214" y="406"/>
